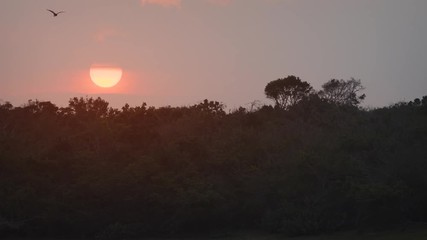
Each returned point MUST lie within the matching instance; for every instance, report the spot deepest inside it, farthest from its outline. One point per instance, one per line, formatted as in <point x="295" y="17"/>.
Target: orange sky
<point x="179" y="52"/>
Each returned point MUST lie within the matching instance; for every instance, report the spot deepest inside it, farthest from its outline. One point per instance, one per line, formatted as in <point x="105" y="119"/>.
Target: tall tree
<point x="343" y="92"/>
<point x="288" y="91"/>
<point x="89" y="107"/>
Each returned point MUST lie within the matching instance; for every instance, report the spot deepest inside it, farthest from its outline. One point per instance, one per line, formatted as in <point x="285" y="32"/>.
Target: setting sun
<point x="106" y="77"/>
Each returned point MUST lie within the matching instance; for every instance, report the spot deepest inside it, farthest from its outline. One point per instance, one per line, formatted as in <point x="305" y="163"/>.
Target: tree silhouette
<point x="287" y="91"/>
<point x="210" y="107"/>
<point x="126" y="173"/>
<point x="343" y="92"/>
<point x="87" y="107"/>
<point x="6" y="106"/>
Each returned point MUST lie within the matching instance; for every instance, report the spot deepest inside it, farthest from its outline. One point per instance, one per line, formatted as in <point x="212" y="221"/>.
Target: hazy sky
<point x="179" y="52"/>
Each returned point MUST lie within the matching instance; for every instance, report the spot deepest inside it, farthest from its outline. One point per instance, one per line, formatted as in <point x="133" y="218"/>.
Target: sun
<point x="105" y="77"/>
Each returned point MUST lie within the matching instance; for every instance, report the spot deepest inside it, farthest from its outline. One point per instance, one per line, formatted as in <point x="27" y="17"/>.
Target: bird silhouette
<point x="55" y="13"/>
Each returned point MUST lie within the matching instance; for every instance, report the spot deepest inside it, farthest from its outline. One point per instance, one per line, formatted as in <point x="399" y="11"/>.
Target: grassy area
<point x="419" y="234"/>
<point x="412" y="233"/>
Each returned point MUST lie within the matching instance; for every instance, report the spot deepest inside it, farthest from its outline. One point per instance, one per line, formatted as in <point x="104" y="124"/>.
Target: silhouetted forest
<point x="313" y="162"/>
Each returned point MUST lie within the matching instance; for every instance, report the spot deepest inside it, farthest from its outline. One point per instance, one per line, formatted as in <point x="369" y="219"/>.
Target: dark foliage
<point x="286" y="92"/>
<point x="343" y="92"/>
<point x="89" y="170"/>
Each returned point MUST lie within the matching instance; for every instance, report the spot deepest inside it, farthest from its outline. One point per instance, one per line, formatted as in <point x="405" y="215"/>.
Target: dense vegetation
<point x="316" y="165"/>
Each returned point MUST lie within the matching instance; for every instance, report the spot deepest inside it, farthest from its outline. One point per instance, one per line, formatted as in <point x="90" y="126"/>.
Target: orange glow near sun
<point x="105" y="77"/>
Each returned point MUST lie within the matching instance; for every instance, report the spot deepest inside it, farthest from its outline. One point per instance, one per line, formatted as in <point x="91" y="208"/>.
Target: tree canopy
<point x="88" y="170"/>
<point x="288" y="91"/>
<point x="343" y="92"/>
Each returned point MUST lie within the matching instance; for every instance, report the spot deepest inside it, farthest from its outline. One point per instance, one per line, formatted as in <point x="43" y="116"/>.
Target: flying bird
<point x="55" y="13"/>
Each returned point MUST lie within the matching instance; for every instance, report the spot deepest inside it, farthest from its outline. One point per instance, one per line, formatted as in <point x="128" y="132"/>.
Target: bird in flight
<point x="55" y="13"/>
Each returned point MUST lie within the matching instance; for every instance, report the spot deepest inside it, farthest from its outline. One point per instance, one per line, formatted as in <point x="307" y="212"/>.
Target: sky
<point x="179" y="52"/>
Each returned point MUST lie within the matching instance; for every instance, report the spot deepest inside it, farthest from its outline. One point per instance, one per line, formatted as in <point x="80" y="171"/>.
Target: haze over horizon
<point x="179" y="52"/>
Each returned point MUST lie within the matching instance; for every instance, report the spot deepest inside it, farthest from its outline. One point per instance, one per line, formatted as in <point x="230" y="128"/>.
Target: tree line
<point x="314" y="162"/>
